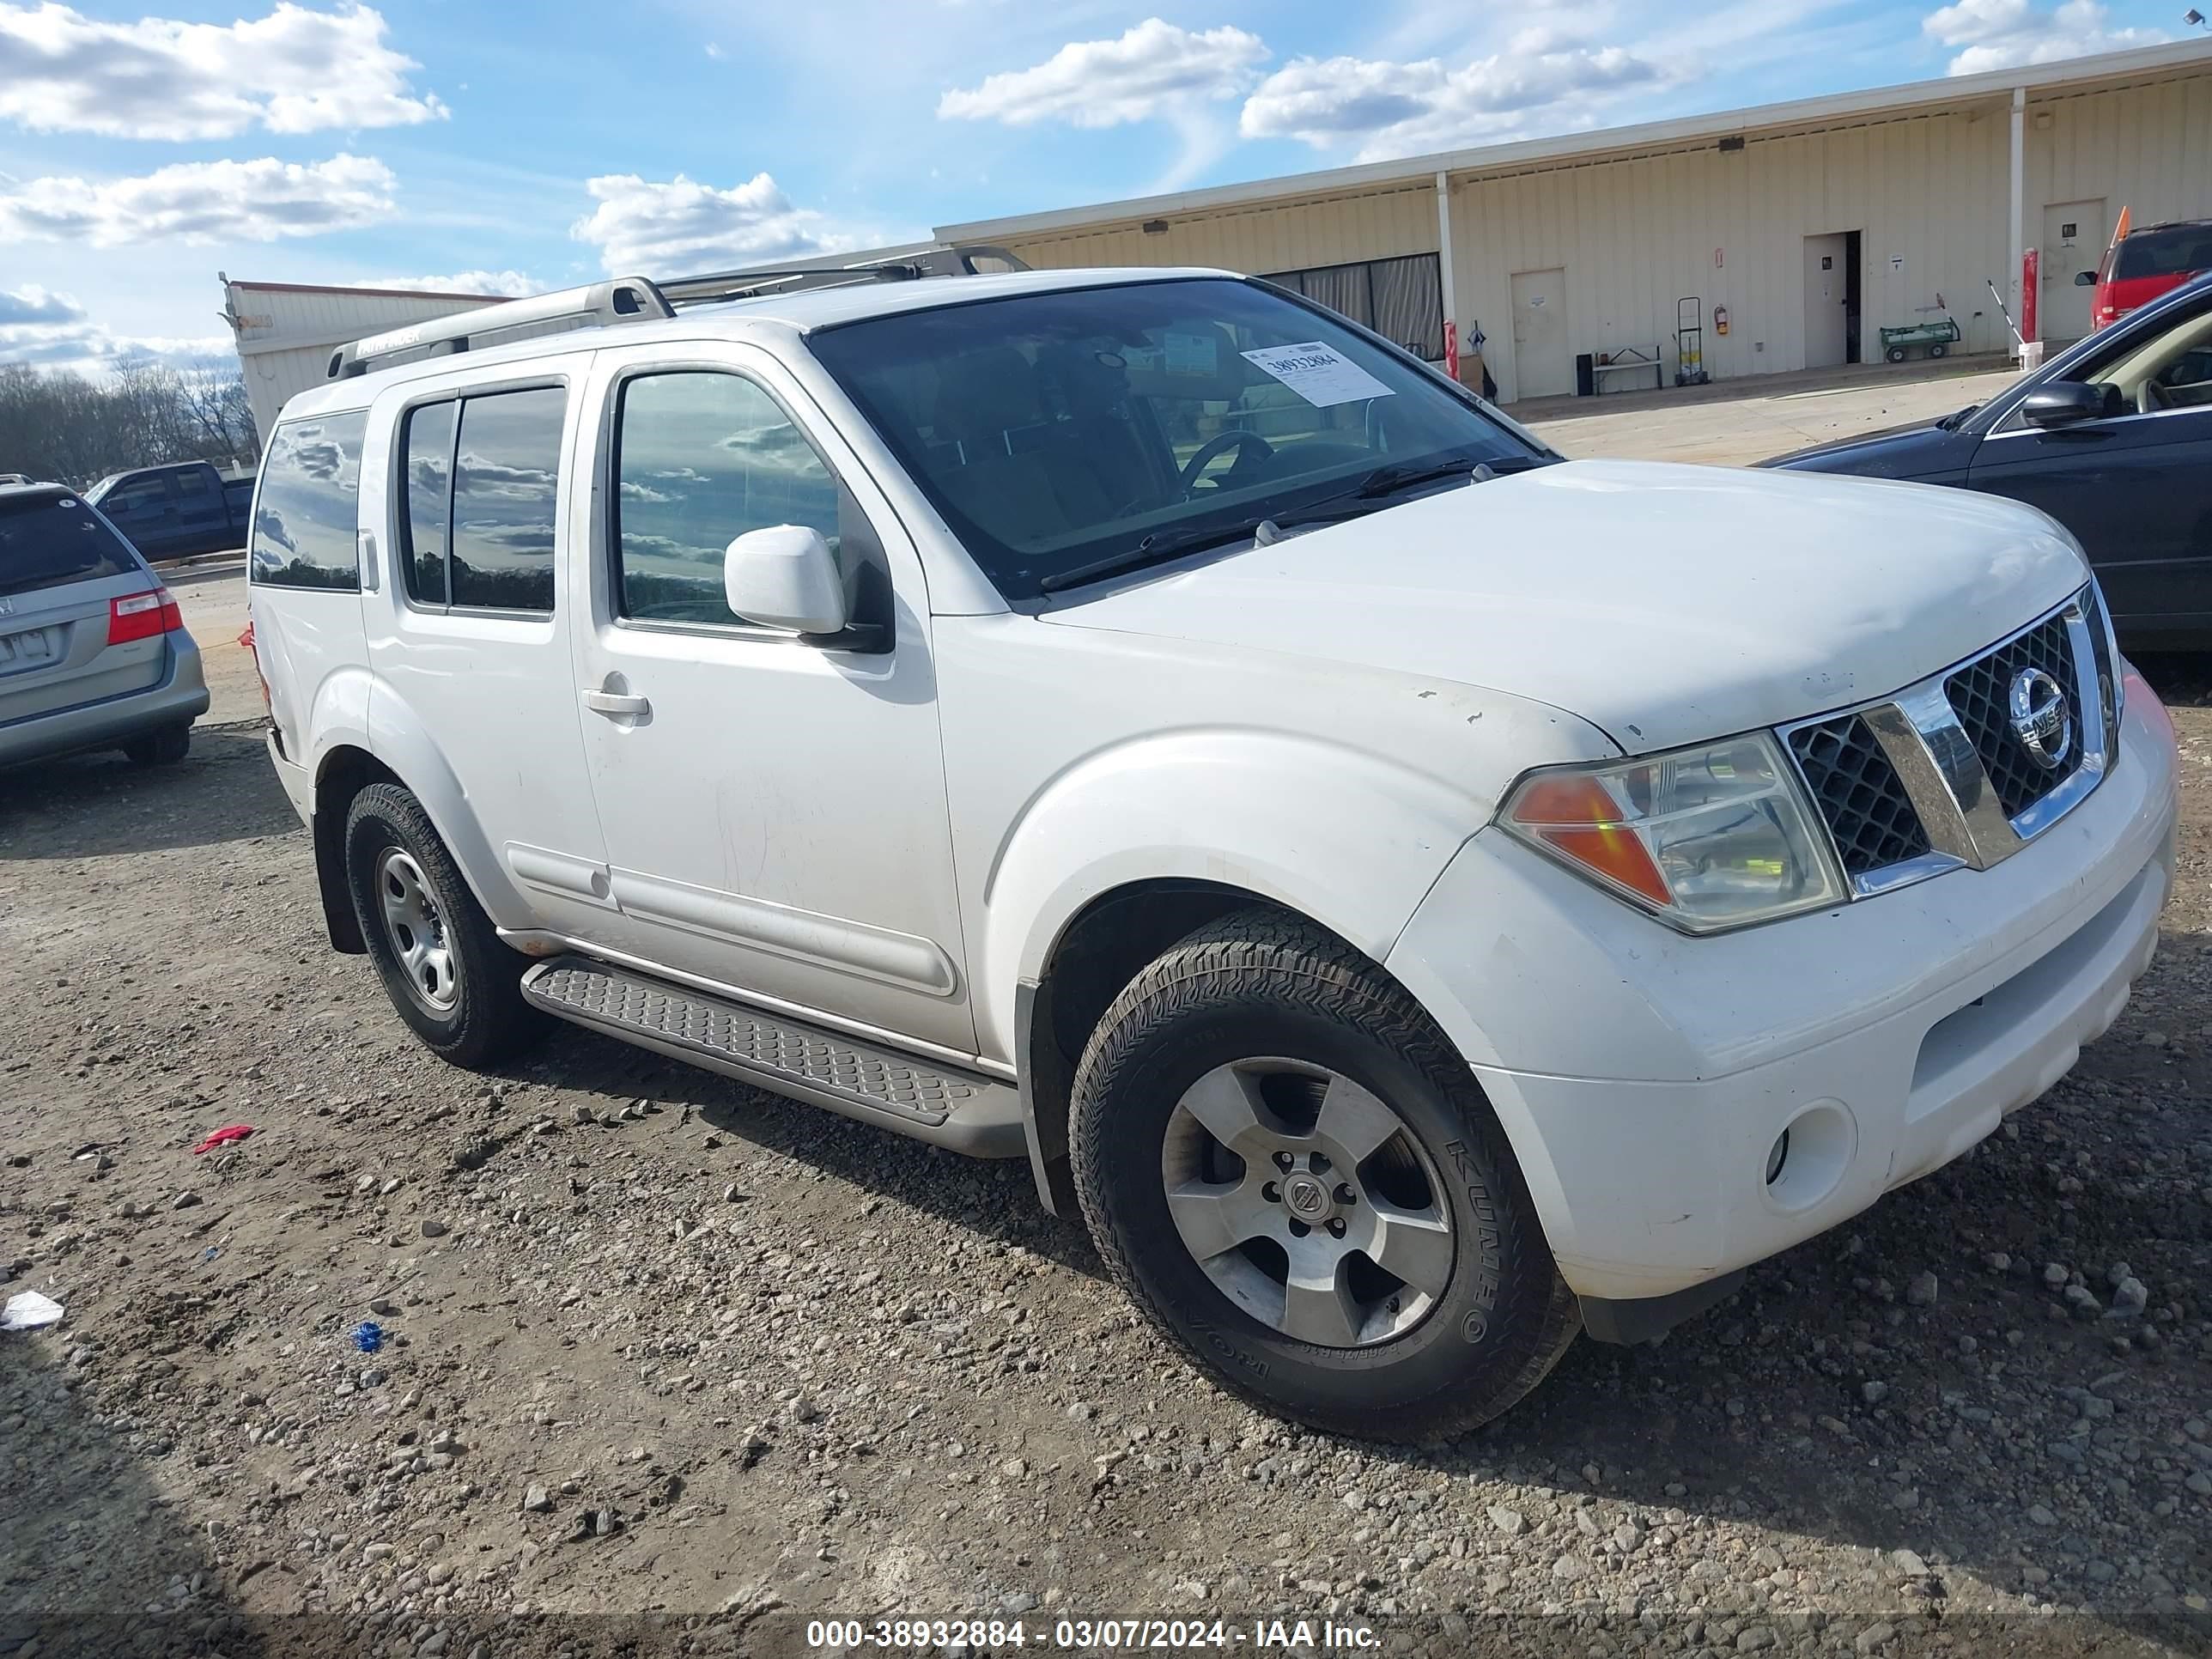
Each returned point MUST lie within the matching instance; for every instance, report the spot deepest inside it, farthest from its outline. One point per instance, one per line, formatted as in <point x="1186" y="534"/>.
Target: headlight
<point x="1704" y="839"/>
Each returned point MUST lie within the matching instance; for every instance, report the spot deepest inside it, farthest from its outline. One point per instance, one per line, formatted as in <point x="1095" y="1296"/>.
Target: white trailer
<point x="286" y="331"/>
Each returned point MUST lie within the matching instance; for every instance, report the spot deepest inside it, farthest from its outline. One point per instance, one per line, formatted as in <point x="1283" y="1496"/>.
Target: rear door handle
<point x="615" y="702"/>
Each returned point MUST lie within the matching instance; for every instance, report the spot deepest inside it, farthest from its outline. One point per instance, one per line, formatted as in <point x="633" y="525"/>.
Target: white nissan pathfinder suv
<point x="1418" y="897"/>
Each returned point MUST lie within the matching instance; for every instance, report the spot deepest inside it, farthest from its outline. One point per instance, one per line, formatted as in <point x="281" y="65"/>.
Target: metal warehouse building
<point x="286" y="331"/>
<point x="1811" y="224"/>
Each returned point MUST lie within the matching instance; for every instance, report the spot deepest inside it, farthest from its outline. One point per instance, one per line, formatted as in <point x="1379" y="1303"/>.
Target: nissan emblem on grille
<point x="2040" y="717"/>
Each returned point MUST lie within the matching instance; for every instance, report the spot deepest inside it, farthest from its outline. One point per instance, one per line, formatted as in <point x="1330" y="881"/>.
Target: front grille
<point x="1980" y="694"/>
<point x="1859" y="794"/>
<point x="1960" y="756"/>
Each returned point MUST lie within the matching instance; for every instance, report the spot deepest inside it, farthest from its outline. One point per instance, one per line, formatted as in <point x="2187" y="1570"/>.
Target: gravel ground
<point x="669" y="1365"/>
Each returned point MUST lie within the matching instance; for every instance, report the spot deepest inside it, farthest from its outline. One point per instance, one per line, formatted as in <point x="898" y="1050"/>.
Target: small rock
<point x="2130" y="1297"/>
<point x="1874" y="1635"/>
<point x="1873" y="1392"/>
<point x="2041" y="1516"/>
<point x="2154" y="1039"/>
<point x="1908" y="1564"/>
<point x="605" y="1523"/>
<point x="1996" y="1261"/>
<point x="382" y="1307"/>
<point x="185" y="1200"/>
<point x="2083" y="1301"/>
<point x="536" y="1500"/>
<point x="1921" y="1292"/>
<point x="583" y="1113"/>
<point x="1751" y="1640"/>
<point x="2055" y="1276"/>
<point x="1569" y="1569"/>
<point x="434" y="1229"/>
<point x="1512" y="1522"/>
<point x="1019" y="1602"/>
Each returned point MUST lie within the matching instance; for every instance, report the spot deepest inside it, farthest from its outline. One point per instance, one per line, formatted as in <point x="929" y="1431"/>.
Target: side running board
<point x="962" y="1111"/>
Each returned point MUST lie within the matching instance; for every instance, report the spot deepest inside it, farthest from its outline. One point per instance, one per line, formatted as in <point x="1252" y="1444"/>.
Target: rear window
<point x="48" y="541"/>
<point x="303" y="528"/>
<point x="2174" y="251"/>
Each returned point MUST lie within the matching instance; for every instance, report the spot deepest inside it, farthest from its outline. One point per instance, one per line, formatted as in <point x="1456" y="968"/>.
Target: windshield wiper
<point x="1399" y="476"/>
<point x="1950" y="423"/>
<point x="1156" y="548"/>
<point x="1383" y="481"/>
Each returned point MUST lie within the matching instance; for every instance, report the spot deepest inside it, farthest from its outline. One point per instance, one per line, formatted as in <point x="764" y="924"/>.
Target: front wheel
<point x="1296" y="1178"/>
<point x="443" y="964"/>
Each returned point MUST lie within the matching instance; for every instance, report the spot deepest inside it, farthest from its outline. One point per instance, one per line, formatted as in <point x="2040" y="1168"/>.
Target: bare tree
<point x="141" y="412"/>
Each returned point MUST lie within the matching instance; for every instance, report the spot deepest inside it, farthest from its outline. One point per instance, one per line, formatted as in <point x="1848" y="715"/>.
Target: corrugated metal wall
<point x="2148" y="148"/>
<point x="1929" y="195"/>
<point x="289" y="334"/>
<point x="1372" y="226"/>
<point x="1634" y="236"/>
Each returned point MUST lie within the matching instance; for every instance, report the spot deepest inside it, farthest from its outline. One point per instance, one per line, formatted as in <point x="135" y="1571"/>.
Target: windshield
<point x="2174" y="251"/>
<point x="1060" y="431"/>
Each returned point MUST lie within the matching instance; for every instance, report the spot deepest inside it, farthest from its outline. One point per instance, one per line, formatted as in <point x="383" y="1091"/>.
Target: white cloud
<point x="256" y="200"/>
<point x="295" y="71"/>
<point x="1544" y="75"/>
<point x="655" y="227"/>
<point x="510" y="284"/>
<point x="36" y="306"/>
<point x="1998" y="34"/>
<point x="51" y="331"/>
<point x="1152" y="70"/>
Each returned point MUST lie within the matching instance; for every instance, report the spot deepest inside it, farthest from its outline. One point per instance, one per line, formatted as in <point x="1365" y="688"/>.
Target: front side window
<point x="506" y="476"/>
<point x="136" y="498"/>
<point x="304" y="524"/>
<point x="1055" y="431"/>
<point x="700" y="459"/>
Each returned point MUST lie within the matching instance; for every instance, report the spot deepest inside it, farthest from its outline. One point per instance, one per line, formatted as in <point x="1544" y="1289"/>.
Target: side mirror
<point x="2063" y="403"/>
<point x="2085" y="279"/>
<point x="785" y="576"/>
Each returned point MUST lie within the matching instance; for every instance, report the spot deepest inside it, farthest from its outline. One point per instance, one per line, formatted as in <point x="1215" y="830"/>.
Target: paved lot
<point x="671" y="1366"/>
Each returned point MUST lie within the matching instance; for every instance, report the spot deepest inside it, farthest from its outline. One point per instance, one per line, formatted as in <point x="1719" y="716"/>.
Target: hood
<point x="1917" y="451"/>
<point x="1665" y="604"/>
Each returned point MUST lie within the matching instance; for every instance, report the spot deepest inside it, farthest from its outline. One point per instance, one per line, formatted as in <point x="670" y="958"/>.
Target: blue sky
<point x="547" y="143"/>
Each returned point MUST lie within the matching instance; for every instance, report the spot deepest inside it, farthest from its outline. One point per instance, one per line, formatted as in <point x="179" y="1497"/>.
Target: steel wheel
<point x="1304" y="1197"/>
<point x="415" y="931"/>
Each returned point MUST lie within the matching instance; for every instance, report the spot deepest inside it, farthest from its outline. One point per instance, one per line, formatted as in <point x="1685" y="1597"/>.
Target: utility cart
<point x="1938" y="336"/>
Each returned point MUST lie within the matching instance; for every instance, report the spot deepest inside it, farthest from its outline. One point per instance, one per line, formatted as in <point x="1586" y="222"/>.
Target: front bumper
<point x="1644" y="1076"/>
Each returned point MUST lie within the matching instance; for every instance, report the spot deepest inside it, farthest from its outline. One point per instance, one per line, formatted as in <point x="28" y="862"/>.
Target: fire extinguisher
<point x="1720" y="319"/>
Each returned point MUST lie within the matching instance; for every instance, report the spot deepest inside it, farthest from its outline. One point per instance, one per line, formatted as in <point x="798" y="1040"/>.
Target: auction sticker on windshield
<point x="1317" y="372"/>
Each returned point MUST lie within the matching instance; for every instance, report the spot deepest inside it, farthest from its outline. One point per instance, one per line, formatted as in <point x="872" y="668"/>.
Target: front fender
<point x="1344" y="837"/>
<point x="401" y="740"/>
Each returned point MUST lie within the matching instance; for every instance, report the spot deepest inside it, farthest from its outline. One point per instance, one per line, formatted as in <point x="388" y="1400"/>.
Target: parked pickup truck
<point x="1416" y="897"/>
<point x="174" y="511"/>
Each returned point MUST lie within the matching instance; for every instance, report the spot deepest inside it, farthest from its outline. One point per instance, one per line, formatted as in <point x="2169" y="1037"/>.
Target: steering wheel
<point x="1236" y="438"/>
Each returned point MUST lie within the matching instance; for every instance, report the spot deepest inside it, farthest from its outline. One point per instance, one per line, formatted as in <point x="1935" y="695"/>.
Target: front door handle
<point x="615" y="702"/>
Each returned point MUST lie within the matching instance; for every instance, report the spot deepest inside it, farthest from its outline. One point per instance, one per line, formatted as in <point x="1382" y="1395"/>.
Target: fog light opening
<point x="1806" y="1162"/>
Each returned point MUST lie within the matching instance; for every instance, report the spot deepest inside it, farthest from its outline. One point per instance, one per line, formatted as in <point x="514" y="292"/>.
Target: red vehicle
<point x="2144" y="264"/>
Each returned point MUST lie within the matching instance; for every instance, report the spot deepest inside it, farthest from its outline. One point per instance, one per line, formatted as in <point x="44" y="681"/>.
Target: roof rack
<point x="968" y="259"/>
<point x="638" y="300"/>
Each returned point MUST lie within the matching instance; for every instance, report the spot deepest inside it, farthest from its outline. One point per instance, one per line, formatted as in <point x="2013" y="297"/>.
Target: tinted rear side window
<point x="428" y="448"/>
<point x="303" y="528"/>
<point x="48" y="541"/>
<point x="2165" y="253"/>
<point x="506" y="479"/>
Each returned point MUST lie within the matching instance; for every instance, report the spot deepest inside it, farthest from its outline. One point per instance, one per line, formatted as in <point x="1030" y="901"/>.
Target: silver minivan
<point x="94" y="653"/>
